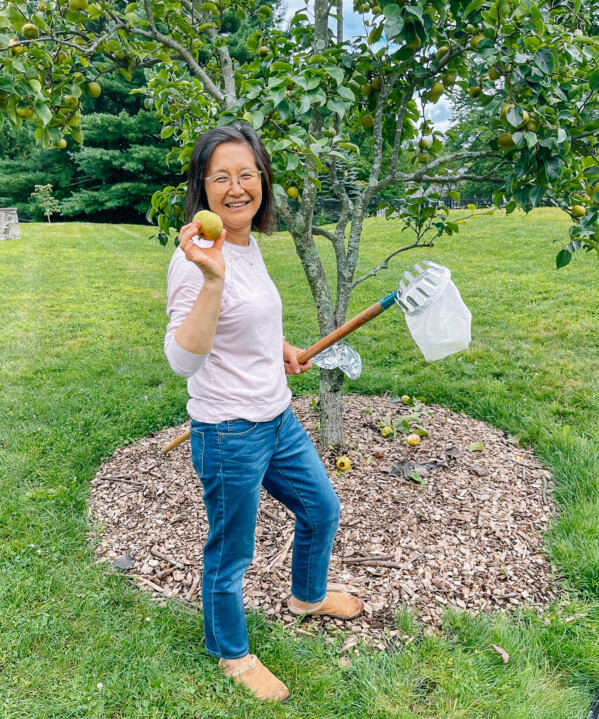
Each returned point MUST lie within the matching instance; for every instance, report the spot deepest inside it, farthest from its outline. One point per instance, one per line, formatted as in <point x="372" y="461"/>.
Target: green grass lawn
<point x="82" y="372"/>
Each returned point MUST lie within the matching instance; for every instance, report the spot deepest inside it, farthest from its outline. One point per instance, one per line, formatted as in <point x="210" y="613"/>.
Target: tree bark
<point x="331" y="407"/>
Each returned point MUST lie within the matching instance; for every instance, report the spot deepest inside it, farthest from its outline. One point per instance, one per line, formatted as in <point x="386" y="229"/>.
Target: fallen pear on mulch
<point x="428" y="526"/>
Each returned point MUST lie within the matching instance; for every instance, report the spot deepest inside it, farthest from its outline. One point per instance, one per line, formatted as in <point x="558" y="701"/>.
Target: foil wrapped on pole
<point x="340" y="356"/>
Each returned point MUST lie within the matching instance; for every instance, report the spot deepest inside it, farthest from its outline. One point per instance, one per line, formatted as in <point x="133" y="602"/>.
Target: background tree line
<point x="111" y="178"/>
<point x="113" y="175"/>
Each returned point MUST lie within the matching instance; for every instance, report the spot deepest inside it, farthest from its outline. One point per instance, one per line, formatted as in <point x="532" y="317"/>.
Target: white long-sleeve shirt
<point x="243" y="376"/>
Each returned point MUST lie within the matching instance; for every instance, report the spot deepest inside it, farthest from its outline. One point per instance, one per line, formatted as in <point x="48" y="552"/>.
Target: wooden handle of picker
<point x="365" y="316"/>
<point x="176" y="442"/>
<point x="368" y="314"/>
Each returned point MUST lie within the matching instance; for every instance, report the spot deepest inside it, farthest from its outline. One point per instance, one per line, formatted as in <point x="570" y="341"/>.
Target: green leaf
<point x="415" y="10"/>
<point x="346" y="93"/>
<point x="594" y="80"/>
<point x="531" y="139"/>
<point x="265" y="13"/>
<point x="278" y="66"/>
<point x="292" y="162"/>
<point x="282" y="144"/>
<point x="563" y="258"/>
<point x="340" y="155"/>
<point x="278" y="95"/>
<point x="166" y="131"/>
<point x="544" y="60"/>
<point x="416" y="478"/>
<point x="335" y="72"/>
<point x="515" y="116"/>
<point x="454" y="195"/>
<point x="376" y="34"/>
<point x="304" y="103"/>
<point x="257" y="119"/>
<point x="301" y="17"/>
<point x="43" y="112"/>
<point x="536" y="195"/>
<point x="510" y="207"/>
<point x="476" y="447"/>
<point x="392" y="12"/>
<point x="335" y="105"/>
<point x="77" y="135"/>
<point x="473" y="7"/>
<point x="553" y="167"/>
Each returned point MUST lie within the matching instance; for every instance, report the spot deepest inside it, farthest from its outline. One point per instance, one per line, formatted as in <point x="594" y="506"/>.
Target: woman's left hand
<point x="292" y="366"/>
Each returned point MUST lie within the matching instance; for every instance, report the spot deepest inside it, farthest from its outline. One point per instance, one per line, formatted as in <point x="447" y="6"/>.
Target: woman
<point x="225" y="335"/>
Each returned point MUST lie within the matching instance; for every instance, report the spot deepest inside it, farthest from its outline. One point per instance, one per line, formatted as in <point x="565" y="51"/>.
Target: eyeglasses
<point x="249" y="180"/>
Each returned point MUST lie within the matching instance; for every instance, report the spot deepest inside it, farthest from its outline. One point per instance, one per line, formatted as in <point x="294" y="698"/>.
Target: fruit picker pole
<point x="361" y="319"/>
<point x="176" y="442"/>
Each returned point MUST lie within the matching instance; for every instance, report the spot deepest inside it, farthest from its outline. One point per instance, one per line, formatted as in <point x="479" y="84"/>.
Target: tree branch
<point x="385" y="263"/>
<point x="226" y="66"/>
<point x="316" y="230"/>
<point x="288" y="216"/>
<point x="589" y="133"/>
<point x="401" y="177"/>
<point x="464" y="155"/>
<point x="337" y="187"/>
<point x="450" y="179"/>
<point x="155" y="34"/>
<point x="407" y="96"/>
<point x="118" y="26"/>
<point x="378" y="134"/>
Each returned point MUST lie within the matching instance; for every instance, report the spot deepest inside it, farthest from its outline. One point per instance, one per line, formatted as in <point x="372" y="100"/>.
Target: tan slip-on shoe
<point x="259" y="680"/>
<point x="336" y="604"/>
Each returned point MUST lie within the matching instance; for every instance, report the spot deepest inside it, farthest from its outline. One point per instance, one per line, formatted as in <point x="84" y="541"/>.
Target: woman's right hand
<point x="209" y="259"/>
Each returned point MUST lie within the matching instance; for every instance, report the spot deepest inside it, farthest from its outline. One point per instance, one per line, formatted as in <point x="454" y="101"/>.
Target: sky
<point x="352" y="26"/>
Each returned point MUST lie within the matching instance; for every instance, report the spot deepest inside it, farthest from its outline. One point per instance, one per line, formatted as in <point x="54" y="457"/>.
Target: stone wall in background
<point x="9" y="224"/>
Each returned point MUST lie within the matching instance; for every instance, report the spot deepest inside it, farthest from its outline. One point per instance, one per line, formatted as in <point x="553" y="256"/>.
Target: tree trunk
<point x="331" y="407"/>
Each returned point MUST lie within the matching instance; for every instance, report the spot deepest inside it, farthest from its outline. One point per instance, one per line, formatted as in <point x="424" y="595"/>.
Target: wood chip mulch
<point x="470" y="535"/>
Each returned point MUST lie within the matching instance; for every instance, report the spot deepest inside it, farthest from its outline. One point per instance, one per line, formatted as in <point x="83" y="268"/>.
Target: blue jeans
<point x="234" y="460"/>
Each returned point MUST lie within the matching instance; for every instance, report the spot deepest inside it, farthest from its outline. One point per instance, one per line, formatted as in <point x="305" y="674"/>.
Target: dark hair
<point x="243" y="134"/>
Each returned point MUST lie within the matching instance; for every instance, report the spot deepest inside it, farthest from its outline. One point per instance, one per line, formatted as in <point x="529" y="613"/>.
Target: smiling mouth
<point x="238" y="204"/>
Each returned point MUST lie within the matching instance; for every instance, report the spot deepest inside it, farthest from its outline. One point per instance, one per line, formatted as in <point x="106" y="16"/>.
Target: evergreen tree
<point x="110" y="178"/>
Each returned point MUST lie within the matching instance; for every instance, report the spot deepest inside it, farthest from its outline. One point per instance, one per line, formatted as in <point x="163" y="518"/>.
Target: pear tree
<point x="529" y="65"/>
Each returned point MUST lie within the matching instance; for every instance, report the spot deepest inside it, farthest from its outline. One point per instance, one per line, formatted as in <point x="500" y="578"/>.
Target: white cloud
<point x="440" y="114"/>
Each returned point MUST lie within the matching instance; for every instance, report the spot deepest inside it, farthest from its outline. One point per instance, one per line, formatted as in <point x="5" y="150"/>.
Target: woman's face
<point x="235" y="205"/>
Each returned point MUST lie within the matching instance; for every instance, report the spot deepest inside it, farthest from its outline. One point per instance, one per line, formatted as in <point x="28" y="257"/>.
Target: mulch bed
<point x="470" y="535"/>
